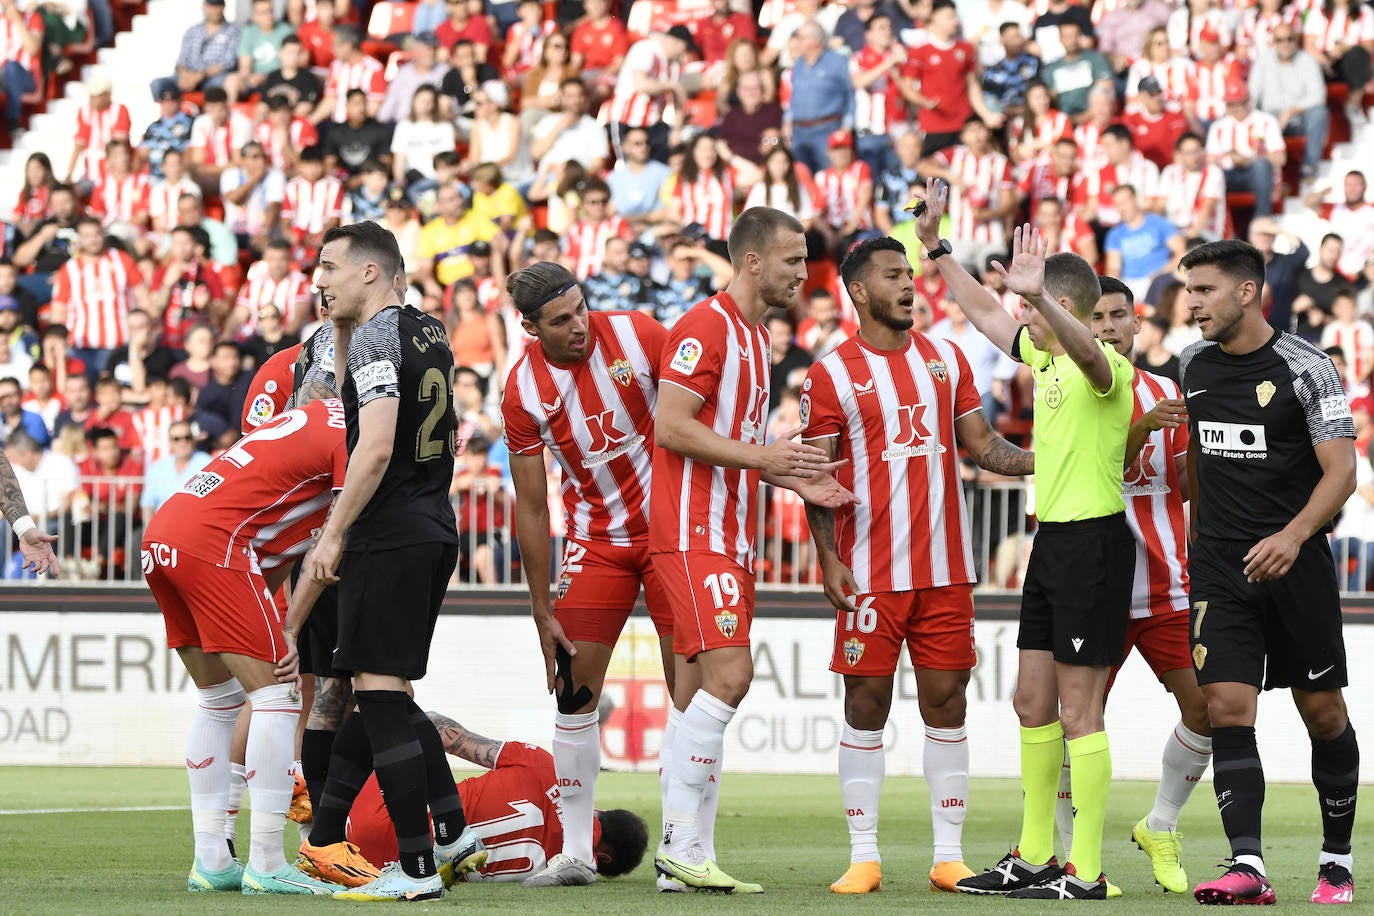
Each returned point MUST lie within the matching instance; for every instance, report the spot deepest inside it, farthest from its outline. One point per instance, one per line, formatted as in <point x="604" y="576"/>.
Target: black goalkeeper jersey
<point x="1254" y="420"/>
<point x="403" y="353"/>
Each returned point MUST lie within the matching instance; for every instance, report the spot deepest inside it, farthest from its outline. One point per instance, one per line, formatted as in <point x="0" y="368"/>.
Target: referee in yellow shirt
<point x="1076" y="599"/>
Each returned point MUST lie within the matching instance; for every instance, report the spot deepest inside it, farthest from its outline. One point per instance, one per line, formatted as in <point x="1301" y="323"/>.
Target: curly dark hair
<point x="626" y="837"/>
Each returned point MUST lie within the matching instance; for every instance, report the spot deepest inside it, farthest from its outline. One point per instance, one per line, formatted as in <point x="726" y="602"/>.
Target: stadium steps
<point x="147" y="51"/>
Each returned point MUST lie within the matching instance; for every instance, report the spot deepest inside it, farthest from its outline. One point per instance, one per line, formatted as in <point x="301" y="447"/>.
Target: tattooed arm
<point x="34" y="544"/>
<point x="470" y="746"/>
<point x="989" y="450"/>
<point x="836" y="578"/>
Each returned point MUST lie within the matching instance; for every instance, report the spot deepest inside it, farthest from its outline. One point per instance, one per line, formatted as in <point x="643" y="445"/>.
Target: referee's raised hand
<point x="1024" y="274"/>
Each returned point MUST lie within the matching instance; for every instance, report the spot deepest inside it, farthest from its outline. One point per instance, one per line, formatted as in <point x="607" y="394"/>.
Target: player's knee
<point x="1033" y="709"/>
<point x="1225" y="710"/>
<point x="866" y="710"/>
<point x="943" y="707"/>
<point x="1324" y="714"/>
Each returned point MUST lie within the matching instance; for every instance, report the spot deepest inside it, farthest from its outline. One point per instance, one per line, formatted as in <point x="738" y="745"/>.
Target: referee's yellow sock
<point x="1090" y="763"/>
<point x="1042" y="757"/>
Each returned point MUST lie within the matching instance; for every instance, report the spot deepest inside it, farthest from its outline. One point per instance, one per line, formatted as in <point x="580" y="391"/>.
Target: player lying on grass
<point x="513" y="808"/>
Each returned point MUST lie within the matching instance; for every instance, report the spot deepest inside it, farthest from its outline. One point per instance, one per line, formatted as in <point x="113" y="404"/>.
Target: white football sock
<point x="1255" y="862"/>
<point x="207" y="768"/>
<point x="576" y="760"/>
<point x="945" y="764"/>
<point x="1063" y="808"/>
<point x="238" y="781"/>
<point x="861" y="768"/>
<point x="1345" y="860"/>
<point x="271" y="745"/>
<point x="698" y="745"/>
<point x="1186" y="755"/>
<point x="665" y="763"/>
<point x="706" y="814"/>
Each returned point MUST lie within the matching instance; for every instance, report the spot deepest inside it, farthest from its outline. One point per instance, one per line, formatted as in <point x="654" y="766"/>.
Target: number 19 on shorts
<point x="724" y="589"/>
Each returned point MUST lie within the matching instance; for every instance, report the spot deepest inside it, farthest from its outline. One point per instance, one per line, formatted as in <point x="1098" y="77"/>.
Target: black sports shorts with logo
<point x="1076" y="601"/>
<point x="316" y="641"/>
<point x="1283" y="633"/>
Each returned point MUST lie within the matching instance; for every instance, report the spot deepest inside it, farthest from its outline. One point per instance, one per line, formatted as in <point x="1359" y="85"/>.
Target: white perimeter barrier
<point x="102" y="689"/>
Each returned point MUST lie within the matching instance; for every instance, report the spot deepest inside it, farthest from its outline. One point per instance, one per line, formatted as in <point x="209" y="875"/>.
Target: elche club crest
<point x="853" y="651"/>
<point x="727" y="623"/>
<point x="622" y="372"/>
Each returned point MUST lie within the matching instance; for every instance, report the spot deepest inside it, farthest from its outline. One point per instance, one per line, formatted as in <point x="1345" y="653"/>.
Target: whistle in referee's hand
<point x="917" y="207"/>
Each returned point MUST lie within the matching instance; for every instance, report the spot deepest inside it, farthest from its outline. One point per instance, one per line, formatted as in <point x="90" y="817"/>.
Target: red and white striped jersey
<point x="1054" y="126"/>
<point x="1355" y="225"/>
<point x="97" y="294"/>
<point x="162" y="201"/>
<point x="639" y="109"/>
<point x="153" y="426"/>
<point x="1356" y="341"/>
<point x="12" y="43"/>
<point x="1098" y="185"/>
<point x="1184" y="194"/>
<point x="1075" y="231"/>
<point x="717" y="355"/>
<point x="1255" y="34"/>
<point x="587" y="242"/>
<point x="290" y="294"/>
<point x="1041" y="182"/>
<point x="839" y="200"/>
<point x="881" y="105"/>
<point x="367" y="74"/>
<point x="893" y="414"/>
<point x="1208" y="91"/>
<point x="95" y="129"/>
<point x="597" y="418"/>
<point x="299" y="135"/>
<point x="1175" y="76"/>
<point x="982" y="179"/>
<point x="256" y="504"/>
<point x="220" y="144"/>
<point x="709" y="201"/>
<point x="120" y="200"/>
<point x="489" y="293"/>
<point x="33" y="206"/>
<point x="1185" y="32"/>
<point x="310" y="206"/>
<point x="530" y="41"/>
<point x="1154" y="508"/>
<point x="1257" y="135"/>
<point x="1340" y="29"/>
<point x="1088" y="136"/>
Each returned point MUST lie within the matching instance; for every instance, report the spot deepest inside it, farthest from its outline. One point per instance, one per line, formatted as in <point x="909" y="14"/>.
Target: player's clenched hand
<point x="288" y="669"/>
<point x="551" y="637"/>
<point x="1166" y="414"/>
<point x="839" y="584"/>
<point x="1272" y="557"/>
<point x="323" y="560"/>
<point x="36" y="548"/>
<point x="788" y="458"/>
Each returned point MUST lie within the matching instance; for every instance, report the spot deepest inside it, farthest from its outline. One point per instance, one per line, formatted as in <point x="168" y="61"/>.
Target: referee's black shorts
<point x="1283" y="633"/>
<point x="388" y="604"/>
<point x="1076" y="601"/>
<point x="320" y="635"/>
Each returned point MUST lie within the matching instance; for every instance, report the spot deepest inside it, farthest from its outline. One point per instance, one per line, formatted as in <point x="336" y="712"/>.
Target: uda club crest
<point x="938" y="369"/>
<point x="727" y="623"/>
<point x="853" y="651"/>
<point x="564" y="583"/>
<point x="622" y="372"/>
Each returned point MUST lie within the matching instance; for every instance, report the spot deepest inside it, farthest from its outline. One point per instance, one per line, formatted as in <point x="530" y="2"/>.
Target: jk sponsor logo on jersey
<point x="1233" y="440"/>
<point x="687" y="356"/>
<point x="913" y="439"/>
<point x="606" y="441"/>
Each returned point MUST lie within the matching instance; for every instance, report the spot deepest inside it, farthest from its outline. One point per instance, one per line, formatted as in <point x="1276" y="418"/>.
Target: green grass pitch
<point x="787" y="832"/>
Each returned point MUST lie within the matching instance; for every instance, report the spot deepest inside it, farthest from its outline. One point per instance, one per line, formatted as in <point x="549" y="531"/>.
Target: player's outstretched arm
<point x="1272" y="557"/>
<point x="460" y="742"/>
<point x="677" y="429"/>
<point x="532" y="532"/>
<point x="34" y="545"/>
<point x="981" y="306"/>
<point x="989" y="450"/>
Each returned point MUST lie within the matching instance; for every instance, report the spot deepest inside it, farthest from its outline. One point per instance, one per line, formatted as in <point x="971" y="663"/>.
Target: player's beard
<point x="893" y="315"/>
<point x="779" y="296"/>
<point x="1222" y="327"/>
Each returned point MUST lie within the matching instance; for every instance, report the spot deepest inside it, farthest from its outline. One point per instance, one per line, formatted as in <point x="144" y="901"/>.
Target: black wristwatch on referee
<point x="940" y="250"/>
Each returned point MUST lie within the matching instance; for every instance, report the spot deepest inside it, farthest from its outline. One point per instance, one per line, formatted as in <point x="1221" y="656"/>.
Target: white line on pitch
<point x="4" y="811"/>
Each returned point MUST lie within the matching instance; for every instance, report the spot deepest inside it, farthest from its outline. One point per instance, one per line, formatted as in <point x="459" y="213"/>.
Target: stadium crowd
<point x="144" y="280"/>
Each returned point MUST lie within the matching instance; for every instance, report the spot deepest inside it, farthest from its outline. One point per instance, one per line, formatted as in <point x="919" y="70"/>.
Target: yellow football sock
<point x="1090" y="766"/>
<point x="1042" y="757"/>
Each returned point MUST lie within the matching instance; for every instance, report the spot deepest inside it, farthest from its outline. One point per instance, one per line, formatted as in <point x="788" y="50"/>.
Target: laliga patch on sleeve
<point x="376" y="376"/>
<point x="261" y="410"/>
<point x="687" y="356"/>
<point x="1335" y="407"/>
<point x="805" y="410"/>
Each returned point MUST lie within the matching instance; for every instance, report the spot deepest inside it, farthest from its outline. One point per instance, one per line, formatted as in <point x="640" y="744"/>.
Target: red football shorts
<point x="597" y="588"/>
<point x="711" y="597"/>
<point x="1162" y="640"/>
<point x="936" y="624"/>
<point x="215" y="609"/>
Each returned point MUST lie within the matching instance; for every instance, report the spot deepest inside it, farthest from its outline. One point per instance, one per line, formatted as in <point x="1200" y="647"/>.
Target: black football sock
<point x="350" y="763"/>
<point x="400" y="766"/>
<point x="1238" y="779"/>
<point x="1336" y="774"/>
<point x="317" y="745"/>
<point x="445" y="807"/>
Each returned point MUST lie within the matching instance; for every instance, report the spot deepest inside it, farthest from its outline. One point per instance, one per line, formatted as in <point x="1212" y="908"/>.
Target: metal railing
<point x="100" y="526"/>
